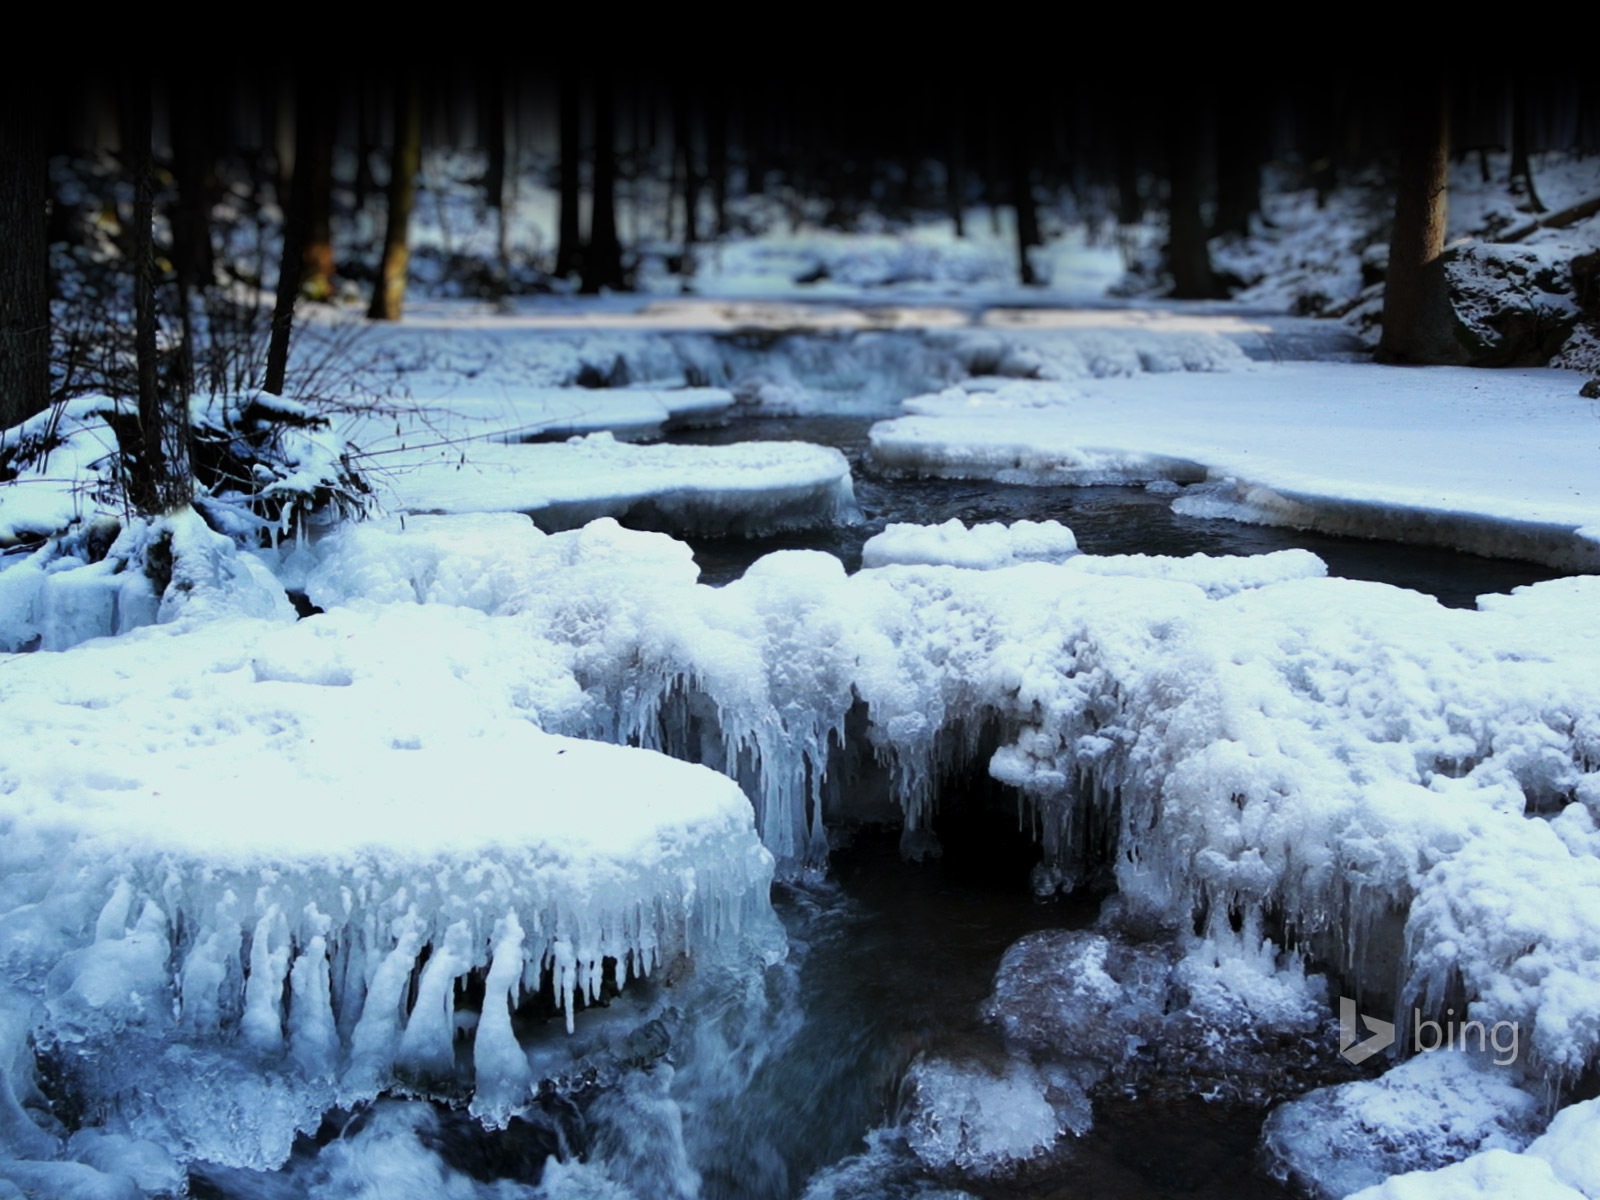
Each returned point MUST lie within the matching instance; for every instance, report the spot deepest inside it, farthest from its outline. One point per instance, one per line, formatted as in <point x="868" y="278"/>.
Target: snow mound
<point x="982" y="547"/>
<point x="269" y="856"/>
<point x="1561" y="1164"/>
<point x="745" y="489"/>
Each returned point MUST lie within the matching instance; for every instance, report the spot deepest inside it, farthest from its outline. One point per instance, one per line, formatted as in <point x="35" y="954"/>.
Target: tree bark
<point x="956" y="176"/>
<point x="1521" y="170"/>
<point x="1417" y="316"/>
<point x="717" y="158"/>
<point x="688" y="177"/>
<point x="493" y="95"/>
<point x="602" y="257"/>
<point x="297" y="217"/>
<point x="569" y="236"/>
<point x="388" y="297"/>
<point x="1188" y="257"/>
<point x="316" y="161"/>
<point x="24" y="264"/>
<point x="1238" y="164"/>
<point x="1021" y="180"/>
<point x="158" y="468"/>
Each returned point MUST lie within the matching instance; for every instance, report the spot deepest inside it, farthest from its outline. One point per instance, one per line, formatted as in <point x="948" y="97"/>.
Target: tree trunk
<point x="688" y="177"/>
<point x="956" y="176"/>
<point x="316" y="162"/>
<point x="193" y="265"/>
<point x="569" y="237"/>
<point x="157" y="468"/>
<point x="1130" y="135"/>
<point x="602" y="257"/>
<point x="717" y="158"/>
<point x="1188" y="257"/>
<point x="1238" y="164"/>
<point x="388" y="297"/>
<point x="493" y="95"/>
<point x="1521" y="171"/>
<point x="296" y="232"/>
<point x="24" y="264"/>
<point x="1417" y="317"/>
<point x="1021" y="180"/>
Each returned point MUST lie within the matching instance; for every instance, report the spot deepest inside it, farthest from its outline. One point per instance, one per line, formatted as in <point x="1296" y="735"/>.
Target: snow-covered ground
<point x="1500" y="463"/>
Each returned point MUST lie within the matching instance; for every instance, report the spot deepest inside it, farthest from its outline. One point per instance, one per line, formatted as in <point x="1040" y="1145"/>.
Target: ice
<point x="978" y="1118"/>
<point x="1216" y="575"/>
<point x="1429" y="1111"/>
<point x="1339" y="447"/>
<point x="982" y="547"/>
<point x="744" y="489"/>
<point x="1495" y="1175"/>
<point x="229" y="848"/>
<point x="1227" y="737"/>
<point x="54" y="599"/>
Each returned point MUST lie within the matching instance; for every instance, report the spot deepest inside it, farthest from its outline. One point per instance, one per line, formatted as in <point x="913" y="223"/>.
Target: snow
<point x="1493" y="464"/>
<point x="1429" y="1111"/>
<point x="982" y="547"/>
<point x="53" y="600"/>
<point x="230" y="839"/>
<point x="512" y="414"/>
<point x="1332" y="751"/>
<point x="743" y="489"/>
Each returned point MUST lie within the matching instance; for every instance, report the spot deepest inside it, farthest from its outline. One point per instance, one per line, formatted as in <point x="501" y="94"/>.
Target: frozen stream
<point x="1106" y="520"/>
<point x="889" y="960"/>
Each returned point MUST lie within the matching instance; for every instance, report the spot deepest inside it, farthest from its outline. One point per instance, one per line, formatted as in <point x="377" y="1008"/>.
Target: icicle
<point x="262" y="1025"/>
<point x="501" y="1068"/>
<point x="205" y="969"/>
<point x="376" y="1036"/>
<point x="313" y="1039"/>
<point x="428" y="1043"/>
<point x="564" y="968"/>
<point x="113" y="919"/>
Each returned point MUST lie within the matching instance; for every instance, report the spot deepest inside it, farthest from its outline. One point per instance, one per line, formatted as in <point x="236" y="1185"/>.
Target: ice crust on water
<point x="230" y="844"/>
<point x="1343" y="448"/>
<point x="744" y="489"/>
<point x="506" y="411"/>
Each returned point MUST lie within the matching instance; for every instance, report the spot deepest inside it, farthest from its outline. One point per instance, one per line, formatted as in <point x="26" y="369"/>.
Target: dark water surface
<point x="1106" y="520"/>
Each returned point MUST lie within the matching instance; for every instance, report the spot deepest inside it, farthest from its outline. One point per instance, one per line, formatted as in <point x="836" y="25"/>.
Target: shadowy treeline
<point x="305" y="155"/>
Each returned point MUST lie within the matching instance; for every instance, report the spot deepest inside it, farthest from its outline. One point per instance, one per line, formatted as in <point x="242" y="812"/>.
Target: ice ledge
<point x="228" y="844"/>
